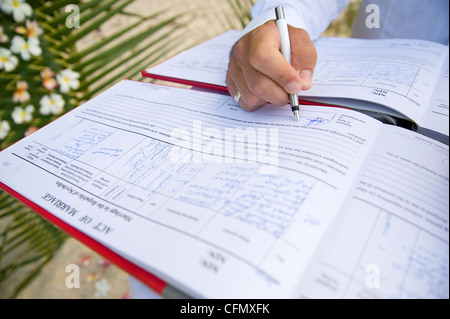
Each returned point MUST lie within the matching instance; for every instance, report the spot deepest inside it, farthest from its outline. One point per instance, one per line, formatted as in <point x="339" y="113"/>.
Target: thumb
<point x="304" y="55"/>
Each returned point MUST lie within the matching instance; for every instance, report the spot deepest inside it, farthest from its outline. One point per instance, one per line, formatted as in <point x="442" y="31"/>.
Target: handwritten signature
<point x="316" y="121"/>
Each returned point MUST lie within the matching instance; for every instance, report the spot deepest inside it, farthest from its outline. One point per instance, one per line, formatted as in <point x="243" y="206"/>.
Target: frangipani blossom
<point x="4" y="129"/>
<point x="19" y="9"/>
<point x="8" y="61"/>
<point x="67" y="80"/>
<point x="21" y="94"/>
<point x="3" y="37"/>
<point x="93" y="277"/>
<point x="84" y="261"/>
<point x="51" y="104"/>
<point x="26" y="48"/>
<point x="102" y="288"/>
<point x="47" y="73"/>
<point x="32" y="29"/>
<point x="48" y="81"/>
<point x="30" y="130"/>
<point x="22" y="115"/>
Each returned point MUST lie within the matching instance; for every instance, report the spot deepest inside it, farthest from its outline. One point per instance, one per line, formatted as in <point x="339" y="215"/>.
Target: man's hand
<point x="261" y="74"/>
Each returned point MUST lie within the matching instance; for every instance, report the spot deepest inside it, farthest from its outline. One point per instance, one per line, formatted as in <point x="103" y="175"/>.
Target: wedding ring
<point x="237" y="97"/>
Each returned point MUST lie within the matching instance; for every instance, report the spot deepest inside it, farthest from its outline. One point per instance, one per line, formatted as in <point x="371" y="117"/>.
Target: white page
<point x="219" y="226"/>
<point x="437" y="116"/>
<point x="206" y="63"/>
<point x="391" y="241"/>
<point x="397" y="73"/>
<point x="394" y="72"/>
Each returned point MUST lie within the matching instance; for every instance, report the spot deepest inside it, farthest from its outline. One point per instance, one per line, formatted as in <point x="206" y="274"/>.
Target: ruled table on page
<point x="391" y="239"/>
<point x="156" y="173"/>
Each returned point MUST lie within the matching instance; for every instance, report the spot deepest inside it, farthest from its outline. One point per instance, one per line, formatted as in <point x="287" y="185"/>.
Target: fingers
<point x="236" y="82"/>
<point x="259" y="71"/>
<point x="256" y="88"/>
<point x="304" y="55"/>
<point x="265" y="56"/>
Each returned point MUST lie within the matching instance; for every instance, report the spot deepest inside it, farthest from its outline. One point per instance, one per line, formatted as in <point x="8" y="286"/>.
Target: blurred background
<point x="53" y="56"/>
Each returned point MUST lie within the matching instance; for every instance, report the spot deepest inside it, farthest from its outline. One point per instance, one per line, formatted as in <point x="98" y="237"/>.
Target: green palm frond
<point x="27" y="241"/>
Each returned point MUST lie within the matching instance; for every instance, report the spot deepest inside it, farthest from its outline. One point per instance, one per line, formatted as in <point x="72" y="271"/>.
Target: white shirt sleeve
<point x="312" y="15"/>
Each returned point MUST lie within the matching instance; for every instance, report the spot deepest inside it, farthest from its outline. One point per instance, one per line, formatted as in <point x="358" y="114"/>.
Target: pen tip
<point x="297" y="116"/>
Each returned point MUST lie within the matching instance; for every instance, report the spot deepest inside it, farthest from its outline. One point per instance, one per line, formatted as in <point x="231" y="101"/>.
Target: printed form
<point x="408" y="76"/>
<point x="391" y="239"/>
<point x="403" y="74"/>
<point x="216" y="201"/>
<point x="206" y="63"/>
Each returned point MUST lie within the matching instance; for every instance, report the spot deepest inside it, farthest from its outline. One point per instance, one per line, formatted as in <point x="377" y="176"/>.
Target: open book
<point x="221" y="203"/>
<point x="404" y="79"/>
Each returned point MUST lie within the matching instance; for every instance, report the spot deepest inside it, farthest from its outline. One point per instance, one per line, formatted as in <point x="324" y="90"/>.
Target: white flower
<point x="102" y="287"/>
<point x="7" y="60"/>
<point x="67" y="80"/>
<point x="51" y="104"/>
<point x="4" y="129"/>
<point x="22" y="115"/>
<point x="3" y="37"/>
<point x="47" y="79"/>
<point x="32" y="29"/>
<point x="25" y="48"/>
<point x="21" y="94"/>
<point x="19" y="8"/>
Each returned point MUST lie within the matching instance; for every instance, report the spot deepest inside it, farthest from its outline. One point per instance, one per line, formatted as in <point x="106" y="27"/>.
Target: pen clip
<point x="279" y="13"/>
